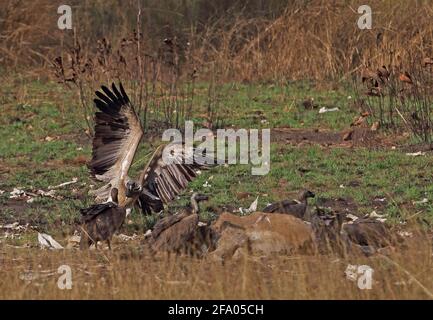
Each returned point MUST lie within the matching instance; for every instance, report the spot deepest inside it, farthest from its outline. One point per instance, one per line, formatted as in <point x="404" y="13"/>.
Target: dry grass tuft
<point x="129" y="272"/>
<point x="315" y="39"/>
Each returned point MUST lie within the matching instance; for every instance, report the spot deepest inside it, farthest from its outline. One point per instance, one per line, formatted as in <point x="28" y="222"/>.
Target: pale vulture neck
<point x="194" y="205"/>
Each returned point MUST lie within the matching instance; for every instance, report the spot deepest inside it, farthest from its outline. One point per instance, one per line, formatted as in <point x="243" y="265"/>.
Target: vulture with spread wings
<point x="118" y="132"/>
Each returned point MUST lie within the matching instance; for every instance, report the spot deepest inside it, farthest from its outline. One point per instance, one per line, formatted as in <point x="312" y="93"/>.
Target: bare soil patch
<point x="356" y="137"/>
<point x="18" y="207"/>
<point x="423" y="147"/>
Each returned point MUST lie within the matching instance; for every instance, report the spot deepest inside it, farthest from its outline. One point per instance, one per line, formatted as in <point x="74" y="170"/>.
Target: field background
<point x="248" y="64"/>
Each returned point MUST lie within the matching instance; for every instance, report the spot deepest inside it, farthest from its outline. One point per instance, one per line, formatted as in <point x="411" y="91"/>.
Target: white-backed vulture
<point x="118" y="132"/>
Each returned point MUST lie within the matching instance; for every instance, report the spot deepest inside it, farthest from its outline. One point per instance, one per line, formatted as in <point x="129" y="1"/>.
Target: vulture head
<point x="195" y="200"/>
<point x="132" y="189"/>
<point x="305" y="194"/>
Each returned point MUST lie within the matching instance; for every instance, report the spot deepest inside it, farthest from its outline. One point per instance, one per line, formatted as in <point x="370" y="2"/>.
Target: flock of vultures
<point x="285" y="227"/>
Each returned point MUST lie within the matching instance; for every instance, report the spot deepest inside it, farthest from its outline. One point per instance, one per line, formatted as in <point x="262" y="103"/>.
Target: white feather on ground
<point x="252" y="208"/>
<point x="47" y="241"/>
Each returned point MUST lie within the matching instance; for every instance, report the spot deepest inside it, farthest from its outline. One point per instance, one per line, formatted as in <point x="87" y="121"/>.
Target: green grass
<point x="280" y="106"/>
<point x="28" y="159"/>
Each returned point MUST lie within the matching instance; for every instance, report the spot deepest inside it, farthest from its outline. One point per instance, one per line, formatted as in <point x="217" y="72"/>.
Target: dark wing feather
<point x="118" y="133"/>
<point x="178" y="237"/>
<point x="148" y="205"/>
<point x="281" y="206"/>
<point x="166" y="223"/>
<point x="94" y="210"/>
<point x="166" y="181"/>
<point x="368" y="232"/>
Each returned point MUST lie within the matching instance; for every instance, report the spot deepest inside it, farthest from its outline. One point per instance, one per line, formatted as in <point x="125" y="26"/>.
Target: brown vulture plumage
<point x="100" y="221"/>
<point x="296" y="208"/>
<point x="118" y="132"/>
<point x="181" y="233"/>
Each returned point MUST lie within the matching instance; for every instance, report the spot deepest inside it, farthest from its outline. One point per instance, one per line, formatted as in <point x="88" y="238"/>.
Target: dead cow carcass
<point x="261" y="234"/>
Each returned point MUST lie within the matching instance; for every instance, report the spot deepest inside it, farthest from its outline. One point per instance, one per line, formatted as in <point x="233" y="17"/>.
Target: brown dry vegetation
<point x="308" y="39"/>
<point x="131" y="273"/>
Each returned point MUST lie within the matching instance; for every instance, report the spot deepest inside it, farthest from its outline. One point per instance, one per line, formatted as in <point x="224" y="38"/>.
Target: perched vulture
<point x="168" y="221"/>
<point x="118" y="132"/>
<point x="101" y="221"/>
<point x="368" y="232"/>
<point x="181" y="233"/>
<point x="295" y="208"/>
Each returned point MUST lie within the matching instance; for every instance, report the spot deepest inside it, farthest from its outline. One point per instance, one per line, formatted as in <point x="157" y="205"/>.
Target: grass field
<point x="44" y="145"/>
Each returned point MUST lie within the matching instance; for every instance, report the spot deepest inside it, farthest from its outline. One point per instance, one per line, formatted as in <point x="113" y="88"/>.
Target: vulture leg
<point x="85" y="242"/>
